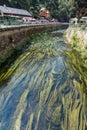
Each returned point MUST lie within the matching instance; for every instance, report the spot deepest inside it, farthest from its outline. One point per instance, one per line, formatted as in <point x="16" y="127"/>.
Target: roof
<point x="48" y="12"/>
<point x="42" y="9"/>
<point x="84" y="17"/>
<point x="9" y="10"/>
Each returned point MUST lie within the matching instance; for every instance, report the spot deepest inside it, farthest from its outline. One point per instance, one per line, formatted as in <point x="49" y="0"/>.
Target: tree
<point x="63" y="10"/>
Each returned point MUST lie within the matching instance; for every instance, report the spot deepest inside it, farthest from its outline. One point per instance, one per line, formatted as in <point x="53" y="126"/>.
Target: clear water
<point x="44" y="90"/>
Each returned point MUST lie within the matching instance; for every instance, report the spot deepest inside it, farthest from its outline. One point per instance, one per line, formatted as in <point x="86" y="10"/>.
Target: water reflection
<point x="44" y="89"/>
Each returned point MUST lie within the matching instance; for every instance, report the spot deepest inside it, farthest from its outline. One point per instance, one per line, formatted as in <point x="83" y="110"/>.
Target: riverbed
<point x="45" y="87"/>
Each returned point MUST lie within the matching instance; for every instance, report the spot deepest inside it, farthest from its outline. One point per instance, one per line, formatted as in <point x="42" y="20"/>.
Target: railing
<point x="32" y="25"/>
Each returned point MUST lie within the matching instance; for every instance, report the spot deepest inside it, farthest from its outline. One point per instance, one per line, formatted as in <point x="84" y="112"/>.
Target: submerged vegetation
<point x="17" y="51"/>
<point x="46" y="87"/>
<point x="80" y="66"/>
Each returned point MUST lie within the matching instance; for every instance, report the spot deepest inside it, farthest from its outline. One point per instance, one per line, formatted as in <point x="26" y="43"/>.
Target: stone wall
<point x="10" y="38"/>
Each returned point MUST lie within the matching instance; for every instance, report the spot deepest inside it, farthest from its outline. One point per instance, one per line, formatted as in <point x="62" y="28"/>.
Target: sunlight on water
<point x="44" y="89"/>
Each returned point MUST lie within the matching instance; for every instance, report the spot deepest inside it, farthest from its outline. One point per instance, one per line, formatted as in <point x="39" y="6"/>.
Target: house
<point x="83" y="20"/>
<point x="45" y="13"/>
<point x="74" y="21"/>
<point x="28" y="19"/>
<point x="8" y="11"/>
<point x="12" y="16"/>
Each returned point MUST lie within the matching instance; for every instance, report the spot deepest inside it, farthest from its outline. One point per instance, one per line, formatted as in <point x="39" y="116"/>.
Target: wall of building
<point x="45" y="13"/>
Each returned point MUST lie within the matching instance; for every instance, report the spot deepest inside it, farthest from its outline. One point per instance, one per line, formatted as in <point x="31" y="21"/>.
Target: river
<point x="44" y="88"/>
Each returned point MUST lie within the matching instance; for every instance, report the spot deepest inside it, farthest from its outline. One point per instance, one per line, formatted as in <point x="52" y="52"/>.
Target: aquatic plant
<point x="45" y="88"/>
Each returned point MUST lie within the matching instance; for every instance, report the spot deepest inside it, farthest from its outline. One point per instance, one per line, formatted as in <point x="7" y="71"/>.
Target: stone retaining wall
<point x="12" y="37"/>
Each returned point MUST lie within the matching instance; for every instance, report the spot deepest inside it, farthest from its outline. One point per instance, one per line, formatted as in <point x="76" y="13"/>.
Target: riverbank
<point x="77" y="38"/>
<point x="15" y="38"/>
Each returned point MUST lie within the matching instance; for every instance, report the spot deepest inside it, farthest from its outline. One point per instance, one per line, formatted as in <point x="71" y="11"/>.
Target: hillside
<point x="60" y="9"/>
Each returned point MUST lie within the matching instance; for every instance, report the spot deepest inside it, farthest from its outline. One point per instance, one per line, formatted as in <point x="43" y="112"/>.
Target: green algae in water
<point x="79" y="66"/>
<point x="44" y="91"/>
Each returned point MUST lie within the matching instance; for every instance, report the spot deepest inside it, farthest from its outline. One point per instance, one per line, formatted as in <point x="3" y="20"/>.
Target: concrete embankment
<point x="77" y="38"/>
<point x="12" y="37"/>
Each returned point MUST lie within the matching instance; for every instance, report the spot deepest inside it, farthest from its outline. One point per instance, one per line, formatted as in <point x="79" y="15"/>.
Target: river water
<point x="44" y="88"/>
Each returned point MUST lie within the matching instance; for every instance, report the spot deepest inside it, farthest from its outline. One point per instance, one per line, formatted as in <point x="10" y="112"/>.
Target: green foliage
<point x="82" y="3"/>
<point x="63" y="10"/>
<point x="75" y="40"/>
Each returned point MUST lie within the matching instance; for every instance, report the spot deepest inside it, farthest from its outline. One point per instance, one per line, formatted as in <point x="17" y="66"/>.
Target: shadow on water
<point x="45" y="88"/>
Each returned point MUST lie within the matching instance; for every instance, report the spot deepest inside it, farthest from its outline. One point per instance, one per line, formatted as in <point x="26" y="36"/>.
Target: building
<point x="74" y="21"/>
<point x="83" y="20"/>
<point x="8" y="11"/>
<point x="28" y="19"/>
<point x="11" y="16"/>
<point x="45" y="13"/>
